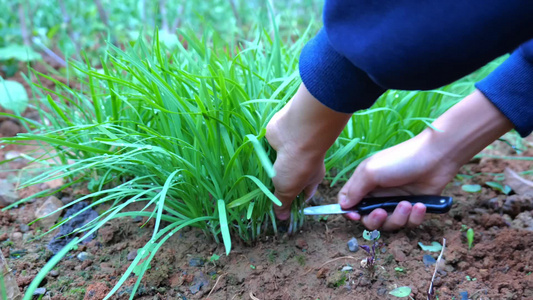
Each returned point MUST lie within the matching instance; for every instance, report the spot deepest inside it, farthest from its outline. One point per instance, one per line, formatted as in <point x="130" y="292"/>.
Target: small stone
<point x="9" y="128"/>
<point x="442" y="273"/>
<point x="132" y="255"/>
<point x="301" y="244"/>
<point x="428" y="260"/>
<point x="54" y="273"/>
<point x="398" y="254"/>
<point x="322" y="272"/>
<point x="24" y="228"/>
<point x="16" y="236"/>
<point x="50" y="205"/>
<point x="107" y="268"/>
<point x="3" y="237"/>
<point x="382" y="291"/>
<point x="199" y="281"/>
<point x="196" y="262"/>
<point x="12" y="155"/>
<point x="8" y="193"/>
<point x="66" y="200"/>
<point x="39" y="291"/>
<point x="137" y="219"/>
<point x="82" y="256"/>
<point x="347" y="269"/>
<point x="353" y="246"/>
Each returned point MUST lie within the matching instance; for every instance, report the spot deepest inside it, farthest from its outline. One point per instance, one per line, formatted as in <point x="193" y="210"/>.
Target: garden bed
<point x="304" y="266"/>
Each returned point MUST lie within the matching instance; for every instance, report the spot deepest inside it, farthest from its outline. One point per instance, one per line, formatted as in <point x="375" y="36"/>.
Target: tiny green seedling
<point x="470" y="237"/>
<point x="470" y="278"/>
<point x="252" y="267"/>
<point x="399" y="270"/>
<point x="214" y="258"/>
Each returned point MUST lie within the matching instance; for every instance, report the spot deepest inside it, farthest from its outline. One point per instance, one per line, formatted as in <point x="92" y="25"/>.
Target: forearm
<point x="311" y="126"/>
<point x="467" y="128"/>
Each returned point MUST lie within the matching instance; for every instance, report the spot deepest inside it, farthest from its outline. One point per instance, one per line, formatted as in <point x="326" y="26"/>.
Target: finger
<point x="353" y="216"/>
<point x="417" y="216"/>
<point x="283" y="212"/>
<point x="310" y="190"/>
<point x="359" y="185"/>
<point x="375" y="219"/>
<point x="399" y="217"/>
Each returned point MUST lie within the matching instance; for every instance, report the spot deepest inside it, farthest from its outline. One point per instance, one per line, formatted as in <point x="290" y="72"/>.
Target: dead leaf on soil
<point x="519" y="185"/>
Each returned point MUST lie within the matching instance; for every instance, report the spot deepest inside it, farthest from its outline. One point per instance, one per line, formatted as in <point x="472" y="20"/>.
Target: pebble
<point x="398" y="254"/>
<point x="50" y="205"/>
<point x="382" y="291"/>
<point x="137" y="219"/>
<point x="54" y="273"/>
<point x="347" y="269"/>
<point x="82" y="256"/>
<point x="301" y="244"/>
<point x="353" y="245"/>
<point x="132" y="255"/>
<point x="16" y="236"/>
<point x="24" y="228"/>
<point x="8" y="194"/>
<point x="39" y="291"/>
<point x="199" y="281"/>
<point x="428" y="260"/>
<point x="12" y="155"/>
<point x="9" y="128"/>
<point x="196" y="262"/>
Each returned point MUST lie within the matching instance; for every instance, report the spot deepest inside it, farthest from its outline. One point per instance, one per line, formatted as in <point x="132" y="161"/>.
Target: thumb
<point x="358" y="186"/>
<point x="283" y="212"/>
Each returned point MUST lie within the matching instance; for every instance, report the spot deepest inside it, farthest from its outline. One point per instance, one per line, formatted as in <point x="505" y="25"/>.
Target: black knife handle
<point x="434" y="204"/>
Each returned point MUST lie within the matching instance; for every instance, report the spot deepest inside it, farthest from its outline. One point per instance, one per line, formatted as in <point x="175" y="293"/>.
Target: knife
<point x="435" y="204"/>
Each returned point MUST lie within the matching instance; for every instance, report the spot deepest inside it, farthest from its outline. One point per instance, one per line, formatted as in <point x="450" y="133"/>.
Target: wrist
<point x="305" y="126"/>
<point x="466" y="129"/>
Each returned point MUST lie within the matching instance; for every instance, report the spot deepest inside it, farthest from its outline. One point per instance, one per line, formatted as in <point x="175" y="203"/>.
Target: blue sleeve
<point x="367" y="47"/>
<point x="510" y="88"/>
<point x="333" y="79"/>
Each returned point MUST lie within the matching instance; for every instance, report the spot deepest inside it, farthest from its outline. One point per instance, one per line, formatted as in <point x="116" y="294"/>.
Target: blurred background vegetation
<point x="62" y="29"/>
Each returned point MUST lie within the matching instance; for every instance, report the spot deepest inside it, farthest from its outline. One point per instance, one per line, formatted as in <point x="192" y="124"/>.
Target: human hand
<point x="301" y="133"/>
<point x="410" y="168"/>
<point x="425" y="163"/>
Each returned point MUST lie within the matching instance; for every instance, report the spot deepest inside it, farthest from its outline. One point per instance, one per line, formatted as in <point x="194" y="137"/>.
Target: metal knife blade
<point x="435" y="204"/>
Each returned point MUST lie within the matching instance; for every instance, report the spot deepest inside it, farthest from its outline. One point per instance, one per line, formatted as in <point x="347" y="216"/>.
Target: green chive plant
<point x="181" y="132"/>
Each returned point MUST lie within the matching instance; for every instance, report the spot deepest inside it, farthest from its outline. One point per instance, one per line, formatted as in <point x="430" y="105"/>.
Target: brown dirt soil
<point x="307" y="265"/>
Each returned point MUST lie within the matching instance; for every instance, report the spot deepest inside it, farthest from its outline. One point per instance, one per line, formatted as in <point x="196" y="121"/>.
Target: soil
<point x="308" y="265"/>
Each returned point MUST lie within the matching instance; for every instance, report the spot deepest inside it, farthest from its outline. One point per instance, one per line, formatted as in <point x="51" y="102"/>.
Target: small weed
<point x="368" y="262"/>
<point x="272" y="255"/>
<point x="463" y="228"/>
<point x="252" y="267"/>
<point x="301" y="259"/>
<point x="470" y="278"/>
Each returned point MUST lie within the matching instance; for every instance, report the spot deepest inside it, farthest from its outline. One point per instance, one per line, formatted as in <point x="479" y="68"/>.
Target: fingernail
<point x="343" y="200"/>
<point x="405" y="209"/>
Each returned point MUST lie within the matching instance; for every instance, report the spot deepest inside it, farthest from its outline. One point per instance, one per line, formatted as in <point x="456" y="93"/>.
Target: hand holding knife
<point x="435" y="204"/>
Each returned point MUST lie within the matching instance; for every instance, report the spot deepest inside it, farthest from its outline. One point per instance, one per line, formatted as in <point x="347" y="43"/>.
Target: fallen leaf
<point x="519" y="185"/>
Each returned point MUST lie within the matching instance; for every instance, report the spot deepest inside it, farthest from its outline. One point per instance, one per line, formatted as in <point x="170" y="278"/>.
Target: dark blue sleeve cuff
<point x="334" y="80"/>
<point x="510" y="88"/>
